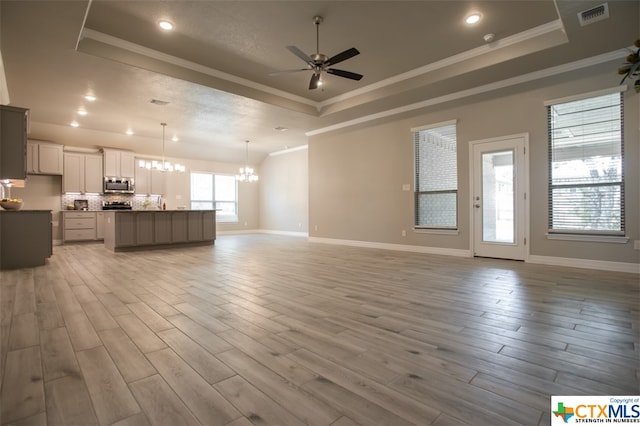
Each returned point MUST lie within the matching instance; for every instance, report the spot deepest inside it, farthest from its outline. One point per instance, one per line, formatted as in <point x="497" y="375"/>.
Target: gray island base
<point x="140" y="229"/>
<point x="25" y="238"/>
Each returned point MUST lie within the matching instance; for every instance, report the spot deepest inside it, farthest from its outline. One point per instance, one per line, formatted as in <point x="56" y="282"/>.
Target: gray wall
<point x="356" y="174"/>
<point x="284" y="192"/>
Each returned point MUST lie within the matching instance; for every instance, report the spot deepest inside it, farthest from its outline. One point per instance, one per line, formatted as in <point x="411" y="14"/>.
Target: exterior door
<point x="499" y="181"/>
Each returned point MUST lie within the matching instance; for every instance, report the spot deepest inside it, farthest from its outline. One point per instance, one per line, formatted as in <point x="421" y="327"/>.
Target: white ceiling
<point x="214" y="68"/>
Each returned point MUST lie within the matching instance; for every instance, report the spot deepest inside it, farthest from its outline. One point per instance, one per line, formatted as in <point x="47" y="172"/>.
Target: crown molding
<point x="174" y="60"/>
<point x="536" y="75"/>
<point x="451" y="60"/>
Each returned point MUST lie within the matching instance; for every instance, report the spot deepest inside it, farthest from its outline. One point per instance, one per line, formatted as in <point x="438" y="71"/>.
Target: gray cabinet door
<point x="26" y="239"/>
<point x="13" y="142"/>
<point x="144" y="228"/>
<point x="195" y="226"/>
<point x="209" y="225"/>
<point x="179" y="226"/>
<point x="125" y="230"/>
<point x="162" y="226"/>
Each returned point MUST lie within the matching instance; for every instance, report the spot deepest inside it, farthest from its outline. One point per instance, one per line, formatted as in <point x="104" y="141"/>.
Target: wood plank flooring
<point x="274" y="330"/>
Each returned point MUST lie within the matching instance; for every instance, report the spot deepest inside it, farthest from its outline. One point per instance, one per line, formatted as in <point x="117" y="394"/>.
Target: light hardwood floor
<point x="273" y="330"/>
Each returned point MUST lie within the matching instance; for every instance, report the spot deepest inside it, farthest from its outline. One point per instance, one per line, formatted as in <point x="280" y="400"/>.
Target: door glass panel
<point x="498" y="197"/>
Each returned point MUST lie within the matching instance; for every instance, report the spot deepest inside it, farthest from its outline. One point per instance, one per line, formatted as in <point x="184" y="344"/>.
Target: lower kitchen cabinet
<point x="82" y="226"/>
<point x="126" y="230"/>
<point x="99" y="226"/>
<point x="78" y="226"/>
<point x="179" y="226"/>
<point x="194" y="221"/>
<point x="144" y="228"/>
<point x="162" y="228"/>
<point x="25" y="238"/>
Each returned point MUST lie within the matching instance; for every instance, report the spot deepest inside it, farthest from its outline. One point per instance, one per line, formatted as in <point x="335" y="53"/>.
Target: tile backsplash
<point x="94" y="201"/>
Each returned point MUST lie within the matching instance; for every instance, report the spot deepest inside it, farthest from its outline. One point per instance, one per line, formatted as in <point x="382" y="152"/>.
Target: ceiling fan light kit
<point x="320" y="63"/>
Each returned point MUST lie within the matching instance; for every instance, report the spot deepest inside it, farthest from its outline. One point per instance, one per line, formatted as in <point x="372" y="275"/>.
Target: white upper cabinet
<point x="82" y="173"/>
<point x="44" y="158"/>
<point x="119" y="164"/>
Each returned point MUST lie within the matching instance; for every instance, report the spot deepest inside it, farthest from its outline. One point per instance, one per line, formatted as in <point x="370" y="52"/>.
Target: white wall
<point x="284" y="192"/>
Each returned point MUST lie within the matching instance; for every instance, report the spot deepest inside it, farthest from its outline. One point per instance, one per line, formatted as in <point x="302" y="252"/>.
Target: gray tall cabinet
<point x="13" y="142"/>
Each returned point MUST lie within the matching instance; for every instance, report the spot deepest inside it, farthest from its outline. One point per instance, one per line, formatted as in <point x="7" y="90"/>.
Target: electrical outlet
<point x="315" y="228"/>
<point x="636" y="244"/>
<point x="406" y="187"/>
<point x="404" y="233"/>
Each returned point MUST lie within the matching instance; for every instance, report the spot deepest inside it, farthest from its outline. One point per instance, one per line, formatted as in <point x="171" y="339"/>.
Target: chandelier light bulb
<point x="246" y="172"/>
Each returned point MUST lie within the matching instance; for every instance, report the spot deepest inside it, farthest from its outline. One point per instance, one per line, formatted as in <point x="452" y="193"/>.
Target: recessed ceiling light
<point x="129" y="132"/>
<point x="165" y="25"/>
<point x="90" y="98"/>
<point x="474" y="18"/>
<point x="175" y="139"/>
<point x="74" y="124"/>
<point x="82" y="112"/>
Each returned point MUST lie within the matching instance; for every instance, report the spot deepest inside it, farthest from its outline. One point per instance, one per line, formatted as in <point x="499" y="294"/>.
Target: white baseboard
<point x="289" y="233"/>
<point x="264" y="231"/>
<point x="396" y="247"/>
<point x="603" y="265"/>
<point x="239" y="231"/>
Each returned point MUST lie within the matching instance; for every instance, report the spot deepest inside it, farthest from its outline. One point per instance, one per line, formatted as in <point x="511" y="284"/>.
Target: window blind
<point x="436" y="177"/>
<point x="586" y="157"/>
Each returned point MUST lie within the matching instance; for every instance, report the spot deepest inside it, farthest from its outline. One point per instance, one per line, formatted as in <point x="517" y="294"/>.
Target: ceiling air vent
<point x="594" y="14"/>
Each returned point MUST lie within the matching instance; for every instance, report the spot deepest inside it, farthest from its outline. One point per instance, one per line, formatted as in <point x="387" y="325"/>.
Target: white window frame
<point x="615" y="236"/>
<point x="220" y="217"/>
<point x="418" y="192"/>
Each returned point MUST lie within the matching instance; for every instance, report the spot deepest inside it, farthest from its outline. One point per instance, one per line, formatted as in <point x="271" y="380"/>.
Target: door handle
<point x="477" y="206"/>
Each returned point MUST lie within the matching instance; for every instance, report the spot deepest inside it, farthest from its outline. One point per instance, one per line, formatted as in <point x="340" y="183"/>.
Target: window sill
<point x="436" y="231"/>
<point x="589" y="238"/>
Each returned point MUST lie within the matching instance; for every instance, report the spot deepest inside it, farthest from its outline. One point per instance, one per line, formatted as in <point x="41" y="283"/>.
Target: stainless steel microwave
<point x="121" y="185"/>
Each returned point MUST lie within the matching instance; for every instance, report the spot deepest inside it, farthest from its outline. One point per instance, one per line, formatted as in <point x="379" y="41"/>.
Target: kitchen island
<point x="25" y="238"/>
<point x="142" y="229"/>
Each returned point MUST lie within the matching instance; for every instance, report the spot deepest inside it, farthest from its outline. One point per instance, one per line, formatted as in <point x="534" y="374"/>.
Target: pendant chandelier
<point x="246" y="172"/>
<point x="163" y="166"/>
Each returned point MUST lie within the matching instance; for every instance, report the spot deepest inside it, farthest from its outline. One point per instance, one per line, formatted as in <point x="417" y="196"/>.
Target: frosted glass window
<point x="436" y="174"/>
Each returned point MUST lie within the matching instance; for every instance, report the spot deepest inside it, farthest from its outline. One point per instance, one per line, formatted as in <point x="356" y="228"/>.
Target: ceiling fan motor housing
<point x="319" y="58"/>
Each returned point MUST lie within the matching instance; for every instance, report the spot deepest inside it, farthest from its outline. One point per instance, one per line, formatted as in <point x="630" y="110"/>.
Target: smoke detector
<point x="594" y="14"/>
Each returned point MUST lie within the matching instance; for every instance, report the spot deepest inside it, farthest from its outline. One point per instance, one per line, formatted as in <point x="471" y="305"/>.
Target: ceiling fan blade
<point x="342" y="56"/>
<point x="313" y="83"/>
<point x="345" y="74"/>
<point x="300" y="54"/>
<point x="272" y="74"/>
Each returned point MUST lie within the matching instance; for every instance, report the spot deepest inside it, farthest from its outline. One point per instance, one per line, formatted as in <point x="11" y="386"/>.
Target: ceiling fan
<point x="319" y="63"/>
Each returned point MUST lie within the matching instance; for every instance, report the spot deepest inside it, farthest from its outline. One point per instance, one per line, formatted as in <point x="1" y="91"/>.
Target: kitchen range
<point x="116" y="205"/>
